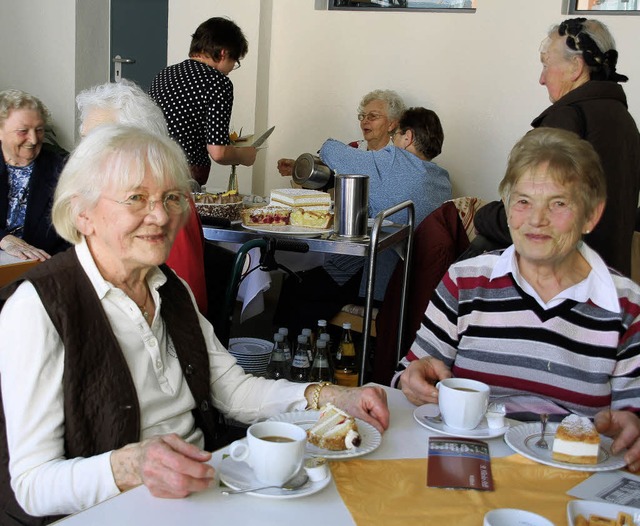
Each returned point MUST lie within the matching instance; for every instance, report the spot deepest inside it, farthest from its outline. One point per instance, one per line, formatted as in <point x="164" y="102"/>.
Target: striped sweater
<point x="579" y="355"/>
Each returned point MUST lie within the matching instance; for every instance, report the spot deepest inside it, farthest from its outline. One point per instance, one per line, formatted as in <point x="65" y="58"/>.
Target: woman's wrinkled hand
<point x="418" y="380"/>
<point x="167" y="465"/>
<point x="21" y="249"/>
<point x="285" y="167"/>
<point x="366" y="403"/>
<point x="624" y="428"/>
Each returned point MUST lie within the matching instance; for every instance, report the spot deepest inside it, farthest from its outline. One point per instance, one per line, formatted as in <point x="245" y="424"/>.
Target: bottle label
<point x="301" y="361"/>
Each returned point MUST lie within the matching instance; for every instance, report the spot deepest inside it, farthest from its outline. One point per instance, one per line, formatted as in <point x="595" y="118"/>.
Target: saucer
<point x="239" y="475"/>
<point x="428" y="416"/>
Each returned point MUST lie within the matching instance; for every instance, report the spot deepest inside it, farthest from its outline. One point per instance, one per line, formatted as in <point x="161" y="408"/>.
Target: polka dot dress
<point x="196" y="100"/>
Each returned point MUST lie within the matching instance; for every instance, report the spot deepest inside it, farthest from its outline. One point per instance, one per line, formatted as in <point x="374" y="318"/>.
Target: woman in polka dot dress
<point x="196" y="97"/>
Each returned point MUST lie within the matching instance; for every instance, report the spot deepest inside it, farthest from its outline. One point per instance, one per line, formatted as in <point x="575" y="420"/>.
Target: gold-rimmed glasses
<point x="173" y="202"/>
<point x="371" y="116"/>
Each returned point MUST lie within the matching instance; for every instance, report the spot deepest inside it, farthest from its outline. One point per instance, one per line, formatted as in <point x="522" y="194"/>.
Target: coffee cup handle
<point x="239" y="450"/>
<point x="437" y="386"/>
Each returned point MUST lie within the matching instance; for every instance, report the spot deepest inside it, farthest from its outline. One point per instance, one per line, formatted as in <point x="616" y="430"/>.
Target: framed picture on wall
<point x="605" y="7"/>
<point x="403" y="5"/>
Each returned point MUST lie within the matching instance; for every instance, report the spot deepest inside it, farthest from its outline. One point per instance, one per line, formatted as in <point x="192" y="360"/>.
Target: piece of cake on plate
<point x="335" y="430"/>
<point x="576" y="441"/>
<point x="301" y="197"/>
<point x="311" y="218"/>
<point x="269" y="215"/>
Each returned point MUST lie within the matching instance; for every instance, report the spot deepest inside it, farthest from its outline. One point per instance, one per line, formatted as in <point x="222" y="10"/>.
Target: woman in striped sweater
<point x="545" y="317"/>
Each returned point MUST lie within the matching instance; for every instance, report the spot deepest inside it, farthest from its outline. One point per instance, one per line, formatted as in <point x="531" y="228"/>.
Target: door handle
<point x="118" y="61"/>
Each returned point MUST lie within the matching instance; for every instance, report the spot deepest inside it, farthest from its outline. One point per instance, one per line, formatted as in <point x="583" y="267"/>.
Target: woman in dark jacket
<point x="579" y="71"/>
<point x="28" y="178"/>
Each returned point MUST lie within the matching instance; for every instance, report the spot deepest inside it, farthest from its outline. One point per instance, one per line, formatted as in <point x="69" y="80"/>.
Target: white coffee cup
<point x="274" y="450"/>
<point x="513" y="517"/>
<point x="462" y="402"/>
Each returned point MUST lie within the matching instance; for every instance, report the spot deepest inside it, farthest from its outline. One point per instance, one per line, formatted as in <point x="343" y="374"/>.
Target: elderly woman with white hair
<point x="110" y="376"/>
<point x="28" y="177"/>
<point x="379" y="112"/>
<point x="579" y="60"/>
<point x="126" y="103"/>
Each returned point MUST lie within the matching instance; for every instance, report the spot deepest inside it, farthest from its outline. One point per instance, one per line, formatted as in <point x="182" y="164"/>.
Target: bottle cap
<point x="283" y="330"/>
<point x="278" y="337"/>
<point x="302" y="339"/>
<point x="346" y="325"/>
<point x="325" y="337"/>
<point x="321" y="344"/>
<point x="322" y="323"/>
<point x="306" y="332"/>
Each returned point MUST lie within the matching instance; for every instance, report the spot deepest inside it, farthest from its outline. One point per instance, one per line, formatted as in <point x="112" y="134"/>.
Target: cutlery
<point x="263" y="137"/>
<point x="542" y="443"/>
<point x="295" y="483"/>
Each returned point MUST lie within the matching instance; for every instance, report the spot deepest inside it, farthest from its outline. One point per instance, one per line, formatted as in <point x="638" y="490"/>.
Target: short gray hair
<point x="15" y="99"/>
<point x="395" y="104"/>
<point x="130" y="104"/>
<point x="116" y="155"/>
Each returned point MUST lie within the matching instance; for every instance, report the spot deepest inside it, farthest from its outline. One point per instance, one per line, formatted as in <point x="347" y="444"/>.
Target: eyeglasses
<point x="369" y="116"/>
<point x="236" y="65"/>
<point x="174" y="203"/>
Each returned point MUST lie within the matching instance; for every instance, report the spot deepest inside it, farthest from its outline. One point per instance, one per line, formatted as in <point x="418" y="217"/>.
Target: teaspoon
<point x="295" y="483"/>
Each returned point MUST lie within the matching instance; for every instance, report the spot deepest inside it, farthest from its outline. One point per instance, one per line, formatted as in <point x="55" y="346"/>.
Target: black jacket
<point x="597" y="111"/>
<point x="38" y="230"/>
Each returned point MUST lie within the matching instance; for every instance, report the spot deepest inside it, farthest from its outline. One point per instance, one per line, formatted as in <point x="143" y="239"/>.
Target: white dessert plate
<point x="239" y="475"/>
<point x="428" y="416"/>
<point x="385" y="222"/>
<point x="371" y="437"/>
<point x="288" y="230"/>
<point x="521" y="438"/>
<point x="604" y="509"/>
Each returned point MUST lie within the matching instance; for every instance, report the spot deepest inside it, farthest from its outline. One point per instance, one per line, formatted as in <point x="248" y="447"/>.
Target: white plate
<point x="385" y="222"/>
<point x="239" y="475"/>
<point x="250" y="347"/>
<point x="371" y="437"/>
<point x="428" y="416"/>
<point x="288" y="230"/>
<point x="522" y="438"/>
<point x="604" y="509"/>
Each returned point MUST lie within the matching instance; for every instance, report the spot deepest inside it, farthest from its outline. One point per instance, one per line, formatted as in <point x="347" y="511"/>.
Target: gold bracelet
<point x="315" y="399"/>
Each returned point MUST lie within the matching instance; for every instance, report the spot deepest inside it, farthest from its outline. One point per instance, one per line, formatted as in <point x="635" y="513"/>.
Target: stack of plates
<point x="252" y="354"/>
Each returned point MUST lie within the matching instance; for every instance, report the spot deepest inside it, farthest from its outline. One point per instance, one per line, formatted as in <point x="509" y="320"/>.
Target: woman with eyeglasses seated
<point x="196" y="96"/>
<point x="544" y="318"/>
<point x="378" y="112"/>
<point x="401" y="171"/>
<point x="110" y="375"/>
<point x="579" y="61"/>
<point x="28" y="177"/>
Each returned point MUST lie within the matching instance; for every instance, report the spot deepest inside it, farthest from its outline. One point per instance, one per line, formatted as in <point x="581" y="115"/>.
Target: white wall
<point x="478" y="71"/>
<point x="37" y="53"/>
<point x="308" y="67"/>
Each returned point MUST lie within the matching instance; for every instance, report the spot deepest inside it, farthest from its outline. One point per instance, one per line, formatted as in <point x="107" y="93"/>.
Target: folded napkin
<point x="394" y="492"/>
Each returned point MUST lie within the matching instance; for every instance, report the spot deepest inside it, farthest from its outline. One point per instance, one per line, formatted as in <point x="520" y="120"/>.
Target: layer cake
<point x="576" y="441"/>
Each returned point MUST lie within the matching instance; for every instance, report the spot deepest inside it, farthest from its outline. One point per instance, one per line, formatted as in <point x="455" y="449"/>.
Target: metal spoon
<point x="542" y="443"/>
<point x="296" y="482"/>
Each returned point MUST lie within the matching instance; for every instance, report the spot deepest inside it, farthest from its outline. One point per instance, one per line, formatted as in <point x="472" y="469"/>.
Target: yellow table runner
<point x="391" y="492"/>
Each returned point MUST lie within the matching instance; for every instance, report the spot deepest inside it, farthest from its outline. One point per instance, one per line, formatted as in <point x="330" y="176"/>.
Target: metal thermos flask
<point x="351" y="208"/>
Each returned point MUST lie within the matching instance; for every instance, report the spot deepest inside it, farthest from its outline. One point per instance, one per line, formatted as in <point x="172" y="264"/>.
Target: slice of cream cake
<point x="576" y="441"/>
<point x="335" y="430"/>
<point x="301" y="197"/>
